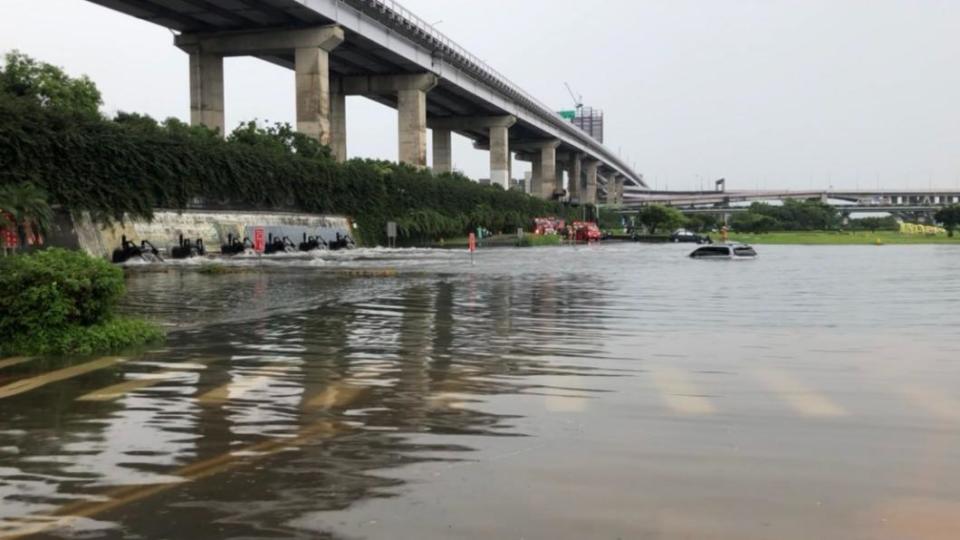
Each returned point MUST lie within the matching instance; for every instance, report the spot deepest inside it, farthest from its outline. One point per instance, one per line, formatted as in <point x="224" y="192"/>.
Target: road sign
<point x="392" y="233"/>
<point x="259" y="240"/>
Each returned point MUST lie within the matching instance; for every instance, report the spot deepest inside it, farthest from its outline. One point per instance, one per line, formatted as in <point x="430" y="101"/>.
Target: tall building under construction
<point x="587" y="119"/>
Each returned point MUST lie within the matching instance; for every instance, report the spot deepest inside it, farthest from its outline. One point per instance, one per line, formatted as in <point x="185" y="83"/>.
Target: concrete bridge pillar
<point x="498" y="135"/>
<point x="500" y="156"/>
<point x="576" y="171"/>
<point x="558" y="183"/>
<point x="412" y="108"/>
<point x="206" y="90"/>
<point x="312" y="65"/>
<point x="310" y="48"/>
<point x="411" y="91"/>
<point x="615" y="190"/>
<point x="546" y="170"/>
<point x="536" y="175"/>
<point x="590" y="193"/>
<point x="338" y="122"/>
<point x="442" y="150"/>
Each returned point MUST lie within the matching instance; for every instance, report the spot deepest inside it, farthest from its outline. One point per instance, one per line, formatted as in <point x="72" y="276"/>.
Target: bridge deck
<point x="384" y="38"/>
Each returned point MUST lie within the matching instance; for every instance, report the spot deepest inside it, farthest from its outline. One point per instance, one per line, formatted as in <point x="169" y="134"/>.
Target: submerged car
<point x="683" y="235"/>
<point x="724" y="251"/>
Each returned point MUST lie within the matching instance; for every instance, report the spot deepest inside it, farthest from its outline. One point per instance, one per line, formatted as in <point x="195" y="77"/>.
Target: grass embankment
<point x="501" y="240"/>
<point x="842" y="238"/>
<point x="56" y="302"/>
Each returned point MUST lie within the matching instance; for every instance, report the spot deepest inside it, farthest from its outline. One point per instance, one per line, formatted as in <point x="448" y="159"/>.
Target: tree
<point x="874" y="224"/>
<point x="23" y="76"/>
<point x="280" y="137"/>
<point x="608" y="219"/>
<point x="702" y="223"/>
<point x="28" y="207"/>
<point x="948" y="217"/>
<point x="657" y="216"/>
<point x="752" y="222"/>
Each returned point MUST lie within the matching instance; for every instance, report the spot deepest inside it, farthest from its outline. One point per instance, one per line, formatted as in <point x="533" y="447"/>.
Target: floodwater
<point x="615" y="391"/>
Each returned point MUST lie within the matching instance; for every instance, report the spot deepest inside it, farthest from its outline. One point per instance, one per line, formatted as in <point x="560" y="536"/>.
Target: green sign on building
<point x="568" y="115"/>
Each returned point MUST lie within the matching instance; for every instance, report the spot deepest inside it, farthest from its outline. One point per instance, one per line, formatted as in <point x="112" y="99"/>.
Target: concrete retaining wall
<point x="212" y="226"/>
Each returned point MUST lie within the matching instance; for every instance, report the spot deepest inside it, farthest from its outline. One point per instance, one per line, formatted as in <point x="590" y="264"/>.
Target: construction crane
<point x="577" y="100"/>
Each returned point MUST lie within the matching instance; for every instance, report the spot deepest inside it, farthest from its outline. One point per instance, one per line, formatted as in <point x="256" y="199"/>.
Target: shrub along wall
<point x="111" y="168"/>
<point x="58" y="302"/>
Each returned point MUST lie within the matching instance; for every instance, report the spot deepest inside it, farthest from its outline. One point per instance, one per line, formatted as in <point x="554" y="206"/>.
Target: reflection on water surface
<point x="622" y="390"/>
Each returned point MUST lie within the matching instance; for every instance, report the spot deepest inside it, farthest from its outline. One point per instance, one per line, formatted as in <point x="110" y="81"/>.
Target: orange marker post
<point x="472" y="245"/>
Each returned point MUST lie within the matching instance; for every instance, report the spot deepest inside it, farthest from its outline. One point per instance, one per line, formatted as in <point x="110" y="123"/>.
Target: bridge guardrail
<point x="464" y="59"/>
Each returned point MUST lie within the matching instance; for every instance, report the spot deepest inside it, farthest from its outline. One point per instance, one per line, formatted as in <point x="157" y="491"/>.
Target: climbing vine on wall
<point x="133" y="164"/>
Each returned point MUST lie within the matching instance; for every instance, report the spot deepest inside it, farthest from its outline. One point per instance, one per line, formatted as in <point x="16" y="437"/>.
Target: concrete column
<point x="338" y="123"/>
<point x="536" y="175"/>
<point x="309" y="46"/>
<point x="312" y="66"/>
<point x="573" y="184"/>
<point x="411" y="91"/>
<point x="500" y="156"/>
<point x="498" y="130"/>
<point x="206" y="90"/>
<point x="442" y="151"/>
<point x="548" y="169"/>
<point x="619" y="190"/>
<point x="412" y="107"/>
<point x="559" y="185"/>
<point x="590" y="193"/>
<point x="612" y="189"/>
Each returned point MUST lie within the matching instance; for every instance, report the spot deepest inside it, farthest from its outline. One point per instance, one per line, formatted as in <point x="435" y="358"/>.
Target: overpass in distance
<point x="378" y="49"/>
<point x="848" y="201"/>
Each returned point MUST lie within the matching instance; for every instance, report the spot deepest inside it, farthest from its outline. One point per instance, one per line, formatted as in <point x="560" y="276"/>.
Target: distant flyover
<point x="848" y="200"/>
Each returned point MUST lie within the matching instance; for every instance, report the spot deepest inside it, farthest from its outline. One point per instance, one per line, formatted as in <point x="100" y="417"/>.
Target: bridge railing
<point x="464" y="59"/>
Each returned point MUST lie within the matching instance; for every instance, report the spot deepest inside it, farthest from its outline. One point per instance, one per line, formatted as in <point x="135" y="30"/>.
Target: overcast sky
<point x="767" y="93"/>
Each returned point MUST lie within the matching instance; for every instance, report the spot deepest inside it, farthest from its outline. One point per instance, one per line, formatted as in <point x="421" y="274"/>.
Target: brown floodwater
<point x="616" y="391"/>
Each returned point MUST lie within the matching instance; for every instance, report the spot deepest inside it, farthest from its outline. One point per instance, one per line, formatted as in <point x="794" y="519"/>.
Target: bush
<point x="659" y="217"/>
<point x="539" y="240"/>
<point x="752" y="222"/>
<point x="58" y="301"/>
<point x="109" y="336"/>
<point x="874" y="224"/>
<point x="949" y="218"/>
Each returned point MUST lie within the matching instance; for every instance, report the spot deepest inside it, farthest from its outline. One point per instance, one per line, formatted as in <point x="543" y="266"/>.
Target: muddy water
<point x="621" y="391"/>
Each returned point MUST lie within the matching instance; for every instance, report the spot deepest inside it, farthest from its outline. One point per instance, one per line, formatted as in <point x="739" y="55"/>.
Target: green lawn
<point x="502" y="240"/>
<point x="842" y="238"/>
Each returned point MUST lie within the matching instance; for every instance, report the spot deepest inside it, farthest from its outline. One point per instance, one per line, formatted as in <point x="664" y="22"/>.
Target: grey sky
<point x="768" y="93"/>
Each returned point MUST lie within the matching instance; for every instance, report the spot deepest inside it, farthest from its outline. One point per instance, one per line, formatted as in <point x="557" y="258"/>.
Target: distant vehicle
<point x="683" y="235"/>
<point x="724" y="251"/>
<point x="548" y="225"/>
<point x="586" y="231"/>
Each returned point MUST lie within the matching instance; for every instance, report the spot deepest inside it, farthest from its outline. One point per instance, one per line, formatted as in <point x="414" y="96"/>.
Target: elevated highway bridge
<point x="378" y="49"/>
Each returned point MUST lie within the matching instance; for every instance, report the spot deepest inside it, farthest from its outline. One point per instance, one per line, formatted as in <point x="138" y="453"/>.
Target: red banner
<point x="259" y="240"/>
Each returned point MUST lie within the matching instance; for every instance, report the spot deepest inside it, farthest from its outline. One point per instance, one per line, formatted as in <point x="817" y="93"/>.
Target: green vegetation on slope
<point x="132" y="164"/>
<point x="62" y="302"/>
